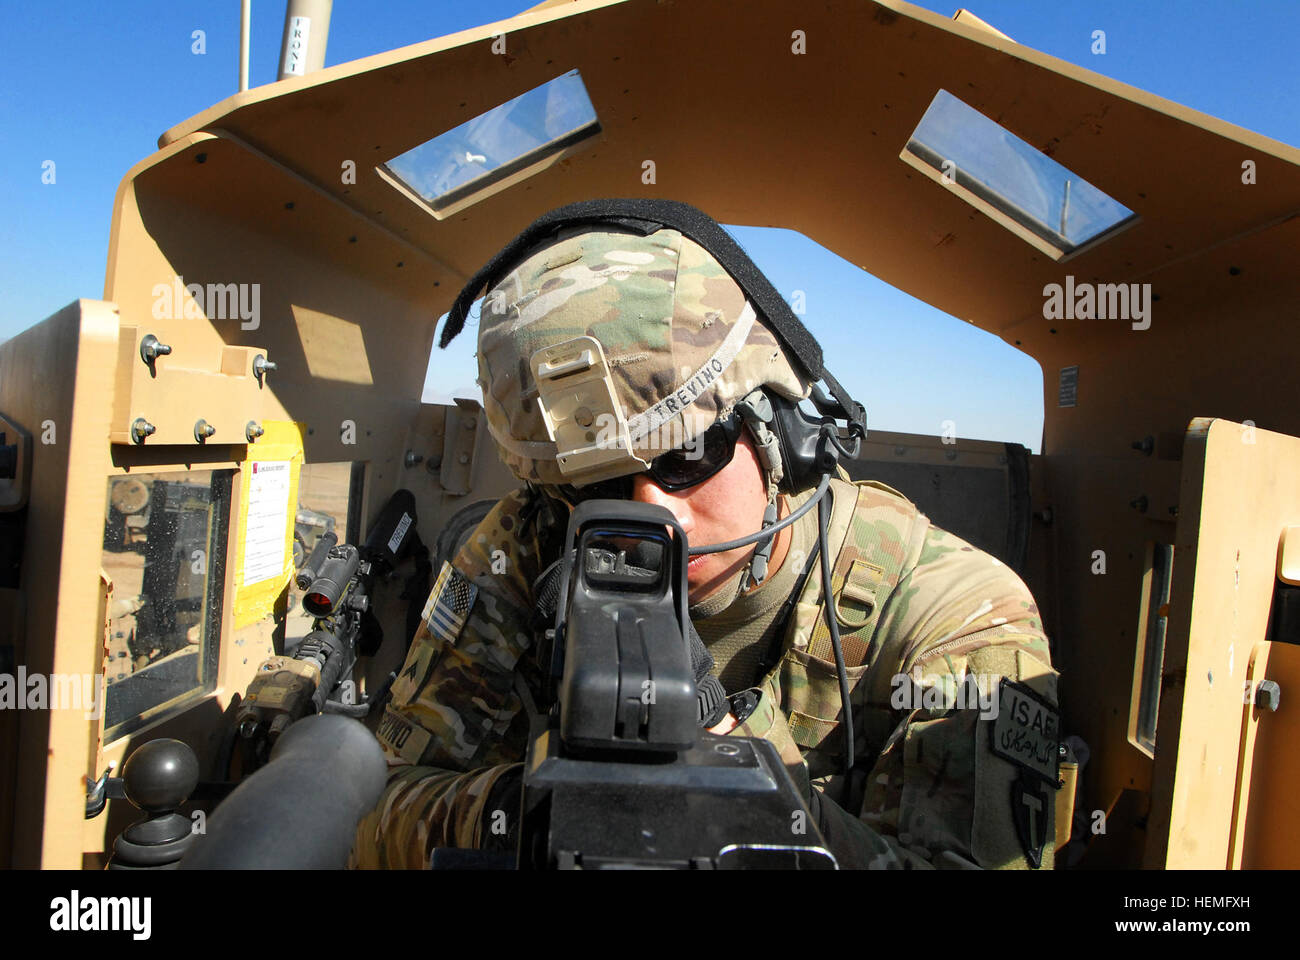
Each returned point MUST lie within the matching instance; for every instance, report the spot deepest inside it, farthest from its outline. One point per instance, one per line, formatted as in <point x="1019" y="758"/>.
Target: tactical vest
<point x="875" y="536"/>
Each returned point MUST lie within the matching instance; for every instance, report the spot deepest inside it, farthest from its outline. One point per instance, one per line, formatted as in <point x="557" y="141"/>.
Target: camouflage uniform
<point x="926" y="619"/>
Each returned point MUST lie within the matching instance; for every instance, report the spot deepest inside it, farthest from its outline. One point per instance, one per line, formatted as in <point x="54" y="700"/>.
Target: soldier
<point x="952" y="695"/>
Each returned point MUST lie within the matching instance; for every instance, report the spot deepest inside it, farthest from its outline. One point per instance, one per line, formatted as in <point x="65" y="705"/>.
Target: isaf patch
<point x="449" y="604"/>
<point x="1027" y="732"/>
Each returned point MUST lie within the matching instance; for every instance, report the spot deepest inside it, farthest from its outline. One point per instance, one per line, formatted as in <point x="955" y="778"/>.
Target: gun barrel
<point x="335" y="653"/>
<point x="300" y="811"/>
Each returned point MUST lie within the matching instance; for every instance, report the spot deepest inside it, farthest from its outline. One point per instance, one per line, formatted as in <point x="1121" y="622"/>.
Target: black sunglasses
<point x="672" y="471"/>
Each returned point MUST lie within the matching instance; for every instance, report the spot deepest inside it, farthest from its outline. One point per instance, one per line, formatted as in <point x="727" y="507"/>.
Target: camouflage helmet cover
<point x="682" y="344"/>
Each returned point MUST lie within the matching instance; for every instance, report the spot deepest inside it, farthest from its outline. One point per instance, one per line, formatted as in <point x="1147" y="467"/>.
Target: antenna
<point x="306" y="32"/>
<point x="245" y="16"/>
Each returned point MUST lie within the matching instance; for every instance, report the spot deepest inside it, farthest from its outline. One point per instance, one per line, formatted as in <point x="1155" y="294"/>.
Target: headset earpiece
<point x="798" y="435"/>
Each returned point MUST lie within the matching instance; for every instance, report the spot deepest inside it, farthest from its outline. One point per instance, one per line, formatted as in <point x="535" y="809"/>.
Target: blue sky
<point x="91" y="85"/>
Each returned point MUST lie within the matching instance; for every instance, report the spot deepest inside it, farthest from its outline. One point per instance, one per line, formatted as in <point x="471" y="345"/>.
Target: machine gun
<point x="337" y="580"/>
<point x="619" y="774"/>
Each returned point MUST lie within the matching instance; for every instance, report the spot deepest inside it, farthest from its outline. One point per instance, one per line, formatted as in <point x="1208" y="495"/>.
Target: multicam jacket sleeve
<point x="970" y="632"/>
<point x="456" y="723"/>
<point x="941" y="642"/>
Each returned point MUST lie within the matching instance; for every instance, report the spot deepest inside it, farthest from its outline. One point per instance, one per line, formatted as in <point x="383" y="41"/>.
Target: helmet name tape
<point x="685" y="395"/>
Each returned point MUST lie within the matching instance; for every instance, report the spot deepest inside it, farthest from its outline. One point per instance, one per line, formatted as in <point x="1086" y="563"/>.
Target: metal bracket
<point x="99" y="792"/>
<point x="458" y="442"/>
<point x="580" y="408"/>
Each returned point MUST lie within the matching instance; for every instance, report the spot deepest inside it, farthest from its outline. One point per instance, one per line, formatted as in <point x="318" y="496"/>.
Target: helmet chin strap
<point x="768" y="532"/>
<point x="753" y="573"/>
<point x="821" y="500"/>
<point x="755" y="411"/>
<point x="752" y="410"/>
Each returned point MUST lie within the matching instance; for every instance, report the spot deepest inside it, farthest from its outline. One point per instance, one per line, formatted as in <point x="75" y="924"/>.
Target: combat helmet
<point x="607" y="348"/>
<point x="614" y="330"/>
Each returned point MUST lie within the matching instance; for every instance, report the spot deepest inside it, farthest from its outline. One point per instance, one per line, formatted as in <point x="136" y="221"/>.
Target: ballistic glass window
<point x="1008" y="178"/>
<point x="164" y="548"/>
<point x="497" y="144"/>
<point x="1151" y="652"/>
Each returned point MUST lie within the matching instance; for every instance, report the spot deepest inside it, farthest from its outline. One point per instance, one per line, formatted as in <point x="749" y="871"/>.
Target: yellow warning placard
<point x="268" y="503"/>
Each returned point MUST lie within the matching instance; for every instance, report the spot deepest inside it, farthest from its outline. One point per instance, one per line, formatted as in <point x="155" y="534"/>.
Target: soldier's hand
<point x="725" y="725"/>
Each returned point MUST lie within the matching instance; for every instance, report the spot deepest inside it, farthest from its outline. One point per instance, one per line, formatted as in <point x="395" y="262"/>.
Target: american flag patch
<point x="449" y="604"/>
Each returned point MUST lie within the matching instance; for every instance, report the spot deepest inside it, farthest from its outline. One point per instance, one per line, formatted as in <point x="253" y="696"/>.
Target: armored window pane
<point x="1156" y="606"/>
<point x="1014" y="178"/>
<point x="498" y="143"/>
<point x="164" y="548"/>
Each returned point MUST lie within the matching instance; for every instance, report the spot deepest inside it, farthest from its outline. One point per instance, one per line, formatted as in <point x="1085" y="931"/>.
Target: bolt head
<point x="142" y="428"/>
<point x="1268" y="695"/>
<point x="151" y="348"/>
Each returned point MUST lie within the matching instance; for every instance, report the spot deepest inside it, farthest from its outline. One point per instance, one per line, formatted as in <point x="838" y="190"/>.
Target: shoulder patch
<point x="449" y="604"/>
<point x="416" y="668"/>
<point x="1027" y="731"/>
<point x="1029" y="809"/>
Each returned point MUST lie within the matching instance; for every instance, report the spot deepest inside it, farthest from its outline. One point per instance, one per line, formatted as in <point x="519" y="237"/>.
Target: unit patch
<point x="1027" y="731"/>
<point x="416" y="668"/>
<point x="449" y="604"/>
<point x="1029" y="800"/>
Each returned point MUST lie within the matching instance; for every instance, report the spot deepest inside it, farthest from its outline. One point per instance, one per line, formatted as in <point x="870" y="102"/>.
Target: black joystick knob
<point x="161" y="775"/>
<point x="157" y="778"/>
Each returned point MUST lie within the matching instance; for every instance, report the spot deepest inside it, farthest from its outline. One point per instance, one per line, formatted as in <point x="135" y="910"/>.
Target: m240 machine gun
<point x="620" y="774"/>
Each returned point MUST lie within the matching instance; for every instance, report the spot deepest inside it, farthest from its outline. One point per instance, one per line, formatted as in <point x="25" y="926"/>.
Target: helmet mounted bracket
<point x="575" y="392"/>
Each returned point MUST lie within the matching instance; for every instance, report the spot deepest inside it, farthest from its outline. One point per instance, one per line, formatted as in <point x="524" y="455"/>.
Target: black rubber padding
<point x="300" y="811"/>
